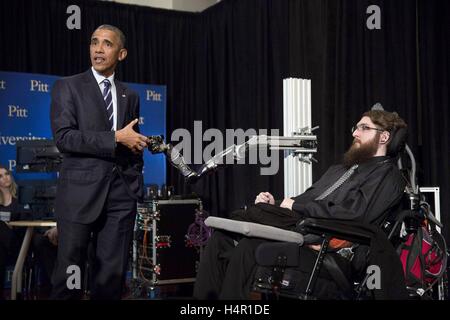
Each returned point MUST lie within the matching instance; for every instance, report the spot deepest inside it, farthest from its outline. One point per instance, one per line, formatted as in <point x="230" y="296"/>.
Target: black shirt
<point x="13" y="208"/>
<point x="367" y="196"/>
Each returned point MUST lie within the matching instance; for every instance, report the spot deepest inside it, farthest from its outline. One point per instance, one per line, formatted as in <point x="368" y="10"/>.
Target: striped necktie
<point x="338" y="183"/>
<point x="107" y="95"/>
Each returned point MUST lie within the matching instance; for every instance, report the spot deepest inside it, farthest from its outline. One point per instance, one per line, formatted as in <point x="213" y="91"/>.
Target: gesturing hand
<point x="131" y="139"/>
<point x="52" y="235"/>
<point x="265" y="197"/>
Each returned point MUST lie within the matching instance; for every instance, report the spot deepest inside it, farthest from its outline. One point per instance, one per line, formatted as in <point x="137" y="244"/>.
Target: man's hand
<point x="131" y="139"/>
<point x="52" y="235"/>
<point x="265" y="197"/>
<point x="287" y="203"/>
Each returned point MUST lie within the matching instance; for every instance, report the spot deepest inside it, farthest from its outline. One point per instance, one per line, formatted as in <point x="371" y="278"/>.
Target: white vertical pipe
<point x="296" y="115"/>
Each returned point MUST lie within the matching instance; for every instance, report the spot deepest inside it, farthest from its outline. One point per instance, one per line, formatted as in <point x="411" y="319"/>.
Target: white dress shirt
<point x="101" y="85"/>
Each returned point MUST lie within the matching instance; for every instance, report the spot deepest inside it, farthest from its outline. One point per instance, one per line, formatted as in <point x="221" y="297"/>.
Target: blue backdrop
<point x="25" y="115"/>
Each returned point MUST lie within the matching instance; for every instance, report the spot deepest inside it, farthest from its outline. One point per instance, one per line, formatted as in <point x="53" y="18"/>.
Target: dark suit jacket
<point x="81" y="132"/>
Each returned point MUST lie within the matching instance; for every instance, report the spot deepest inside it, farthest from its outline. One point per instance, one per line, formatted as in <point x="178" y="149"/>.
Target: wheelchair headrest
<point x="397" y="142"/>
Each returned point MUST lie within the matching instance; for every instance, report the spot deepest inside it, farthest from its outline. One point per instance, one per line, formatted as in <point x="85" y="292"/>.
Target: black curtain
<point x="244" y="55"/>
<point x="225" y="65"/>
<point x="352" y="67"/>
<point x="434" y="62"/>
<point x="404" y="66"/>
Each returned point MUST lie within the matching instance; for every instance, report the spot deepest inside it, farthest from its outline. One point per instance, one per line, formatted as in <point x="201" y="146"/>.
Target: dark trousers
<point x="111" y="238"/>
<point x="226" y="268"/>
<point x="10" y="241"/>
<point x="45" y="253"/>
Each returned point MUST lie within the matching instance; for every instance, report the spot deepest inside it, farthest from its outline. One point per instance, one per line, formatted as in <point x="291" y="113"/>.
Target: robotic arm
<point x="303" y="145"/>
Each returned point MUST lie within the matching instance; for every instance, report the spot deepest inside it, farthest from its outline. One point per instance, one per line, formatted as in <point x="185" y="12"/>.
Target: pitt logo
<point x="36" y="85"/>
<point x="17" y="112"/>
<point x="153" y="95"/>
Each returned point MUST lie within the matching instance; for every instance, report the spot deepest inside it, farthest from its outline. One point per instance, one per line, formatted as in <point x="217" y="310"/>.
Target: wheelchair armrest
<point x="257" y="230"/>
<point x="333" y="228"/>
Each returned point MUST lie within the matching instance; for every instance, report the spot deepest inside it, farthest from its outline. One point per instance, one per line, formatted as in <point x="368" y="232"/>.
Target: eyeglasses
<point x="363" y="127"/>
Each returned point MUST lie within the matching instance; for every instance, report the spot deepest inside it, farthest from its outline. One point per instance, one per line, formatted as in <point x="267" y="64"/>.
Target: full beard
<point x="359" y="154"/>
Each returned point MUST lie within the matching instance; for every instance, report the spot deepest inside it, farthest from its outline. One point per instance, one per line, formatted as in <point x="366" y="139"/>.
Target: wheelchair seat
<point x="333" y="273"/>
<point x="291" y="273"/>
<point x="378" y="249"/>
<point x="286" y="266"/>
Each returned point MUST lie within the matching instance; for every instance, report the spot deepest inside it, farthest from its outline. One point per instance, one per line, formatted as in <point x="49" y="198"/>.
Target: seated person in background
<point x="10" y="239"/>
<point x="45" y="247"/>
<point x="364" y="188"/>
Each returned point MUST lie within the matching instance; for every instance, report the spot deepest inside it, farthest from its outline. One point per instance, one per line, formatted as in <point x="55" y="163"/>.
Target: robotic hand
<point x="157" y="145"/>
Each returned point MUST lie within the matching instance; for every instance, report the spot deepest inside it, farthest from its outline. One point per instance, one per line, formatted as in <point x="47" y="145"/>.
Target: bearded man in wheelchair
<point x="342" y="216"/>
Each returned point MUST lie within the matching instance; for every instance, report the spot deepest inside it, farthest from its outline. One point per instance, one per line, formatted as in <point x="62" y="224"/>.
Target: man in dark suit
<point x="94" y="123"/>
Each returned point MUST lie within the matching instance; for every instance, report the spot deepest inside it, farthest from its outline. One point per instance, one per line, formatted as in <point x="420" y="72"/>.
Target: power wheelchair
<point x="293" y="270"/>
